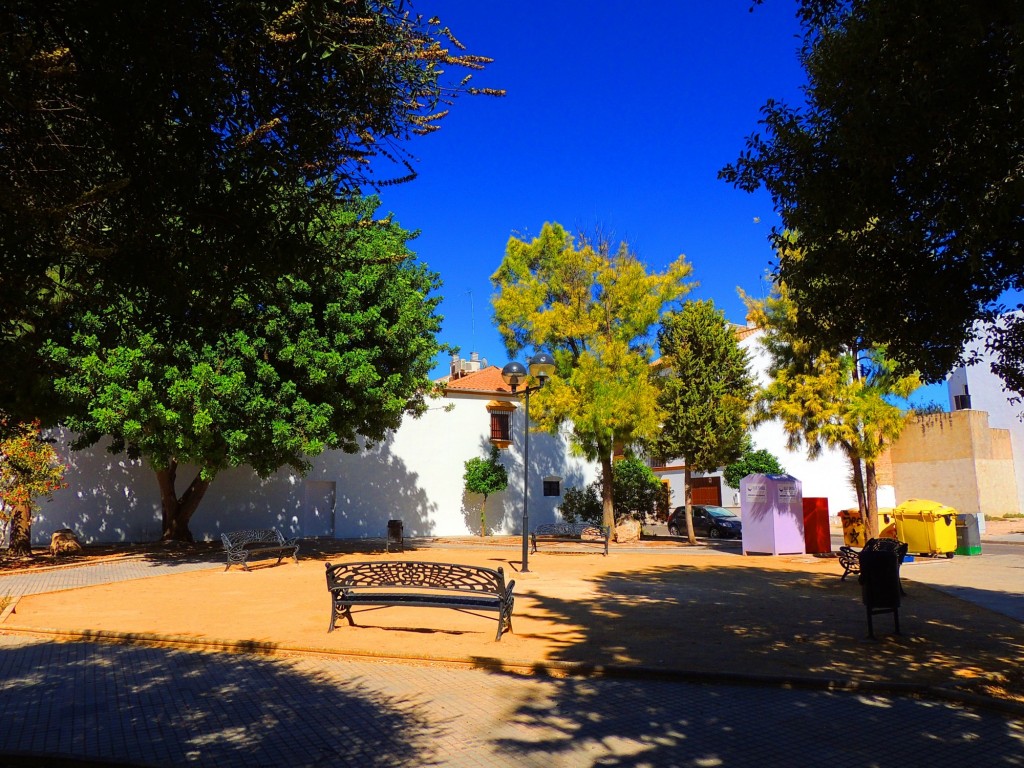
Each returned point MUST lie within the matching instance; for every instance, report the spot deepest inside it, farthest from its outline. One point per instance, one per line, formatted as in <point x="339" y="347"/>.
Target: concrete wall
<point x="415" y="476"/>
<point x="957" y="459"/>
<point x="987" y="394"/>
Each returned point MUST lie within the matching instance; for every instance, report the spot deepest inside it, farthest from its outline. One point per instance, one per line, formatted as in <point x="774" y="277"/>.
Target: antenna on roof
<point x="472" y="319"/>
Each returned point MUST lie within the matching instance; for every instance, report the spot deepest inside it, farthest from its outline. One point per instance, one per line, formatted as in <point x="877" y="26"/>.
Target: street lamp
<point x="514" y="374"/>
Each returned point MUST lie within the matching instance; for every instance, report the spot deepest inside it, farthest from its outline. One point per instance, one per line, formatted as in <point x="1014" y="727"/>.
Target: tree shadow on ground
<point x="643" y="723"/>
<point x="153" y="706"/>
<point x="773" y="625"/>
<point x="784" y="622"/>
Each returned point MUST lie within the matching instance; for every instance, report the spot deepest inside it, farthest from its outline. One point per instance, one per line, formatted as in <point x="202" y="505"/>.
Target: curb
<point x="538" y="669"/>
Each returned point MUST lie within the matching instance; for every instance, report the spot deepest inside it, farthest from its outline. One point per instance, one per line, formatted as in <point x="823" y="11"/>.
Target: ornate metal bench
<point x="578" y="533"/>
<point x="239" y="545"/>
<point x="381" y="583"/>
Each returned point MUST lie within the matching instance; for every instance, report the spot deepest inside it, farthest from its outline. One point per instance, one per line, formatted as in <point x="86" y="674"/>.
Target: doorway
<point x="318" y="508"/>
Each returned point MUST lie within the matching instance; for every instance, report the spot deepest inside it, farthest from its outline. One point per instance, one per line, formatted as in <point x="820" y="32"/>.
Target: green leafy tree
<point x="840" y="400"/>
<point x="29" y="469"/>
<point x="635" y="489"/>
<point x="583" y="505"/>
<point x="485" y="475"/>
<point x="593" y="309"/>
<point x="753" y="461"/>
<point x="902" y="170"/>
<point x="706" y="392"/>
<point x="150" y="149"/>
<point x="317" y="359"/>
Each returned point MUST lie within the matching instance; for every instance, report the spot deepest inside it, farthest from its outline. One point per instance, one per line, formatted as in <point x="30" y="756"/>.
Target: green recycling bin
<point x="927" y="527"/>
<point x="968" y="535"/>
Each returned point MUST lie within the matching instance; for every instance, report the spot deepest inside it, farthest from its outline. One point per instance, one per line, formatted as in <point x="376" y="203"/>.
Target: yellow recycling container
<point x="887" y="523"/>
<point x="926" y="527"/>
<point x="853" y="528"/>
<point x="855" y="532"/>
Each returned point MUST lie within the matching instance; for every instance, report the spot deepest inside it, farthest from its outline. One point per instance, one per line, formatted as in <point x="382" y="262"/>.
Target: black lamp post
<point x="514" y="374"/>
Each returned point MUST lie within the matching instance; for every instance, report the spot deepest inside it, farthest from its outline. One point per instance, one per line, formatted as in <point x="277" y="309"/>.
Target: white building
<point x="415" y="476"/>
<point x="975" y="387"/>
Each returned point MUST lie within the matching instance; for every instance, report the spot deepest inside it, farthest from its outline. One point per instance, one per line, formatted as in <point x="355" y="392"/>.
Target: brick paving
<point x="151" y="706"/>
<point x="164" y="707"/>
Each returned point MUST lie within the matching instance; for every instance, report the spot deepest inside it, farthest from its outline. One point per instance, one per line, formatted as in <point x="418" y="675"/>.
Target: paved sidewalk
<point x="168" y="707"/>
<point x="159" y="707"/>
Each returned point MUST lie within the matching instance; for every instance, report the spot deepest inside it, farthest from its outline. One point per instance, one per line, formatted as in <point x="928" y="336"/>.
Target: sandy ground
<point x="683" y="611"/>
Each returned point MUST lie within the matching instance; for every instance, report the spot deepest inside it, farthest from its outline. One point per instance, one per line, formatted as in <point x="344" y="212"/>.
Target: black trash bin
<point x="880" y="584"/>
<point x="395" y="538"/>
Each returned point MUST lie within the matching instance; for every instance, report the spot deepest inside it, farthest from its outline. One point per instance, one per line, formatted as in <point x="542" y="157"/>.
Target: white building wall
<point x="415" y="476"/>
<point x="987" y="394"/>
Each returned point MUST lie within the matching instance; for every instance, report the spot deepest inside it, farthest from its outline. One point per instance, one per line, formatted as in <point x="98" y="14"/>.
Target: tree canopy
<point x="903" y="173"/>
<point x="29" y="470"/>
<point x="752" y="461"/>
<point x="147" y="148"/>
<point x="593" y="309"/>
<point x="841" y="399"/>
<point x="706" y="391"/>
<point x="324" y="355"/>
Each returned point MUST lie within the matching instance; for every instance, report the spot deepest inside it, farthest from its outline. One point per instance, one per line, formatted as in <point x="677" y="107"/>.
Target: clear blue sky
<point x="619" y="116"/>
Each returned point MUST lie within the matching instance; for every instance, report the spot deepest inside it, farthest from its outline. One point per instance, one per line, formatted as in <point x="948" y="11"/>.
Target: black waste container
<point x="968" y="535"/>
<point x="880" y="584"/>
<point x="395" y="538"/>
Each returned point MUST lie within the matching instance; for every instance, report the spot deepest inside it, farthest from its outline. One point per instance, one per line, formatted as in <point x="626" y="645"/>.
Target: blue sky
<point x="618" y="116"/>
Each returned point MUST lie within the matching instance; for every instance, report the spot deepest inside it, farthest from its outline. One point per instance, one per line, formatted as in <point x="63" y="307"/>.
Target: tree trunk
<point x="858" y="485"/>
<point x="688" y="500"/>
<point x="483" y="517"/>
<point x="872" y="499"/>
<point x="607" y="486"/>
<point x="21" y="531"/>
<point x="177" y="511"/>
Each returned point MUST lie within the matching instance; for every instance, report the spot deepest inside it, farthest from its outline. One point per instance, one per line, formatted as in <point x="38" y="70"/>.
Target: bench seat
<point x="239" y="546"/>
<point x="386" y="583"/>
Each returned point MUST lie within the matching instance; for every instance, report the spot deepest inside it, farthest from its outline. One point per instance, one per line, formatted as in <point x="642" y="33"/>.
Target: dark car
<point x="713" y="522"/>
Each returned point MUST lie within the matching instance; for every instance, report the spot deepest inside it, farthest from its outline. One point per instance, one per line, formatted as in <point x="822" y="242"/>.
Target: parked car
<point x="710" y="521"/>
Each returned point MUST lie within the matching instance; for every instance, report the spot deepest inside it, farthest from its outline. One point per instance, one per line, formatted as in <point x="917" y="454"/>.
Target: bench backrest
<point x="571" y="529"/>
<point x="419" y="575"/>
<point x="252" y="536"/>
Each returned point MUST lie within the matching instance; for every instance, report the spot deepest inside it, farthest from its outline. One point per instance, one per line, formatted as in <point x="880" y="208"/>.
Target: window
<point x="553" y="487"/>
<point x="501" y="426"/>
<point x="501" y="422"/>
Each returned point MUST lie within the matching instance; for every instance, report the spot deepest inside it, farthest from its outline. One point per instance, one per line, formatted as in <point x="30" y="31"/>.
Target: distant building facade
<point x="415" y="476"/>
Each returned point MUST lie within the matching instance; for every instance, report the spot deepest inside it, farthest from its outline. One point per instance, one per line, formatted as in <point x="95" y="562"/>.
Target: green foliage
<point x="29" y="469"/>
<point x="319" y="358"/>
<point x="592" y="309"/>
<point x="752" y="462"/>
<point x="636" y="488"/>
<point x="901" y="171"/>
<point x="706" y="389"/>
<point x="636" y="493"/>
<point x="1006" y="343"/>
<point x="582" y="505"/>
<point x="485" y="475"/>
<point x="153" y="149"/>
<point x="838" y="399"/>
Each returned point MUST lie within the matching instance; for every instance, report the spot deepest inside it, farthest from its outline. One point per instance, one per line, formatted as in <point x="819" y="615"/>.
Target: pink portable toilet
<point x="773" y="515"/>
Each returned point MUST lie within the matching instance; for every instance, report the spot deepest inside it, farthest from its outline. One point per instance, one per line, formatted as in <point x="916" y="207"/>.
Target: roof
<point x="486" y="380"/>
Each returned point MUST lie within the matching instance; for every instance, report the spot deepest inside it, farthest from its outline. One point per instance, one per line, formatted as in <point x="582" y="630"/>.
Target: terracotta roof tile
<point x="487" y="380"/>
